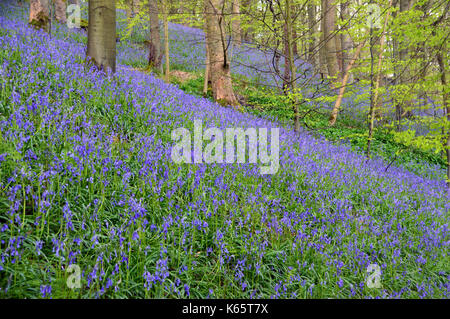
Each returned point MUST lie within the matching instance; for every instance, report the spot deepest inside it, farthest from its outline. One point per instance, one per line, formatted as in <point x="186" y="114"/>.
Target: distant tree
<point x="101" y="46"/>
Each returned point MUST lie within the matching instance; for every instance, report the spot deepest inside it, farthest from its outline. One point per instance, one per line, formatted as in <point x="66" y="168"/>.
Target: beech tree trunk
<point x="329" y="27"/>
<point x="39" y="14"/>
<point x="248" y="33"/>
<point x="374" y="93"/>
<point x="339" y="55"/>
<point x="154" y="55"/>
<point x="166" y="40"/>
<point x="403" y="71"/>
<point x="292" y="72"/>
<point x="446" y="101"/>
<point x="322" y="47"/>
<point x="236" y="23"/>
<point x="217" y="43"/>
<point x="207" y="78"/>
<point x="60" y="11"/>
<point x="287" y="61"/>
<point x="312" y="26"/>
<point x="346" y="42"/>
<point x="101" y="46"/>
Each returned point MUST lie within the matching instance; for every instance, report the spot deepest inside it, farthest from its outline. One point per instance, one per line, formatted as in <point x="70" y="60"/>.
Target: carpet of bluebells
<point x="86" y="178"/>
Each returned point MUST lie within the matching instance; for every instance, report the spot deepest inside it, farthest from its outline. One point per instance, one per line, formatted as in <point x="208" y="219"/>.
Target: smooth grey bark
<point x="236" y="23"/>
<point x="292" y="71"/>
<point x="322" y="49"/>
<point x="60" y="11"/>
<point x="346" y="42"/>
<point x="101" y="47"/>
<point x="329" y="27"/>
<point x="155" y="54"/>
<point x="312" y="26"/>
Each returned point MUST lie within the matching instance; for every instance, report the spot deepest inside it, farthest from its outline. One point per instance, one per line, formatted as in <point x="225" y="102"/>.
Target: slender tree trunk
<point x="346" y="42"/>
<point x="166" y="41"/>
<point x="322" y="47"/>
<point x="404" y="73"/>
<point x="312" y="26"/>
<point x="220" y="67"/>
<point x="374" y="99"/>
<point x="39" y="14"/>
<point x="248" y="34"/>
<point x="60" y="11"/>
<point x="207" y="79"/>
<point x="335" y="111"/>
<point x="339" y="56"/>
<point x="329" y="28"/>
<point x="155" y="54"/>
<point x="446" y="103"/>
<point x="443" y="63"/>
<point x="290" y="41"/>
<point x="236" y="23"/>
<point x="101" y="46"/>
<point x="287" y="60"/>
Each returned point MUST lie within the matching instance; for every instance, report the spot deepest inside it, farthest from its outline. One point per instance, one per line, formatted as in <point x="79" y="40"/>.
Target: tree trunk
<point x="346" y="42"/>
<point x="39" y="14"/>
<point x="404" y="70"/>
<point x="335" y="111"/>
<point x="322" y="48"/>
<point x="339" y="56"/>
<point x="287" y="60"/>
<point x="101" y="46"/>
<point x="155" y="55"/>
<point x="60" y="11"/>
<point x="220" y="67"/>
<point x="166" y="41"/>
<point x="446" y="103"/>
<point x="374" y="93"/>
<point x="248" y="34"/>
<point x="312" y="26"/>
<point x="292" y="71"/>
<point x="329" y="27"/>
<point x="236" y="23"/>
<point x="207" y="79"/>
